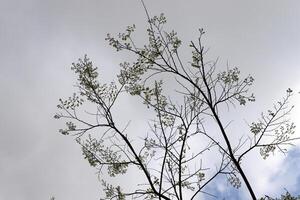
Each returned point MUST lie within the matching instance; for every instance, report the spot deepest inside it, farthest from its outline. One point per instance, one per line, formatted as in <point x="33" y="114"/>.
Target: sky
<point x="40" y="39"/>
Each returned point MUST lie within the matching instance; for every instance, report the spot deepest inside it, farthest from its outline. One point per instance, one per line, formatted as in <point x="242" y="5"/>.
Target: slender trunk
<point x="236" y="163"/>
<point x="238" y="166"/>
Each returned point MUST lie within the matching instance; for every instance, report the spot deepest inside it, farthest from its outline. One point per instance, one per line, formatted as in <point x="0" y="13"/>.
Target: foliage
<point x="286" y="196"/>
<point x="168" y="159"/>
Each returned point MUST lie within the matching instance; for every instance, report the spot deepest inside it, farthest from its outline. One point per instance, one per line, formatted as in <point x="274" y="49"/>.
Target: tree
<point x="168" y="158"/>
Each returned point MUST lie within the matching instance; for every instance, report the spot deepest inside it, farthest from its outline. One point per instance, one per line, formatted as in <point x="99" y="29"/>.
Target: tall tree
<point x="197" y="94"/>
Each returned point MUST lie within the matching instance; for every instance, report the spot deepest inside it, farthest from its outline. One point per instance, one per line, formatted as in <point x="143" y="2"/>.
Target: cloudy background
<point x="39" y="39"/>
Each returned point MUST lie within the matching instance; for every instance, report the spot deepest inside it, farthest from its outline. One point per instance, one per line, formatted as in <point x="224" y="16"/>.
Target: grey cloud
<point x="40" y="39"/>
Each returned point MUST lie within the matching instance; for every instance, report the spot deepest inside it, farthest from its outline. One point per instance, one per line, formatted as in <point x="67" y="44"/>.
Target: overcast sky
<point x="39" y="39"/>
